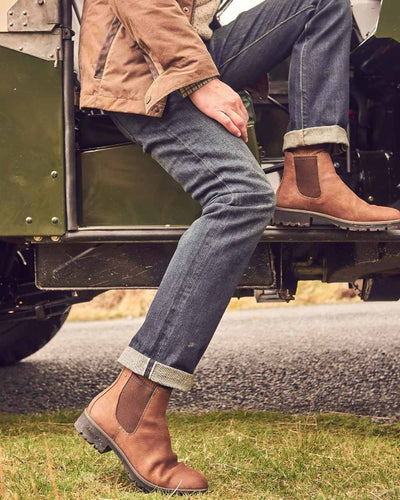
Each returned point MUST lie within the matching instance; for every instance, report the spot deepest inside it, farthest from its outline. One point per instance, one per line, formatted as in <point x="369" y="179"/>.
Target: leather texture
<point x="299" y="187"/>
<point x="132" y="412"/>
<point x="133" y="53"/>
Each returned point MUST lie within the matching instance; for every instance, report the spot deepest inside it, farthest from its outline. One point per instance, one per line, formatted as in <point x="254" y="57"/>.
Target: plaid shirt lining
<point x="189" y="89"/>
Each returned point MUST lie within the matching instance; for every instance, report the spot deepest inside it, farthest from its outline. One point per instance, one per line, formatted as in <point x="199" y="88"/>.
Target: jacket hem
<point x="112" y="103"/>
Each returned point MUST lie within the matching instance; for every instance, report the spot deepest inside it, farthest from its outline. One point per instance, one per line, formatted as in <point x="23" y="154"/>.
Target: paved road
<point x="300" y="359"/>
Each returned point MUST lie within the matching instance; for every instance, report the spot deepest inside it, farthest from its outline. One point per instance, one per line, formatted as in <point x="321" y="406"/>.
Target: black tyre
<point x="19" y="339"/>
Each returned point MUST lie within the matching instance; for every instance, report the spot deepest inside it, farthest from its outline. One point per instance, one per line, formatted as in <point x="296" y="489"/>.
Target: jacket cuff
<point x="189" y="89"/>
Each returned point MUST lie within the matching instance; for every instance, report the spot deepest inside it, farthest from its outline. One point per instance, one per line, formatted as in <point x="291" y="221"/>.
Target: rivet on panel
<point x="37" y="238"/>
<point x="55" y="238"/>
<point x="29" y="220"/>
<point x="25" y="23"/>
<point x="11" y="24"/>
<point x="21" y="48"/>
<point x="54" y="220"/>
<point x="10" y="13"/>
<point x="54" y="174"/>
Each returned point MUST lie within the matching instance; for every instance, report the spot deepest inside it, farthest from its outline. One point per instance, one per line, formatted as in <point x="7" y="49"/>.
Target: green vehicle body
<point x="72" y="186"/>
<point x="116" y="186"/>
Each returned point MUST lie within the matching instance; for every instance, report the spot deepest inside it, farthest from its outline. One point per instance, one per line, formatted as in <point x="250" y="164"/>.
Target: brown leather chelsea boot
<point x="312" y="193"/>
<point x="129" y="418"/>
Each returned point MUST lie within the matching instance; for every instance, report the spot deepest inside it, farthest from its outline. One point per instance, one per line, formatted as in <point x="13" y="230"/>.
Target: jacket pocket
<point x="105" y="49"/>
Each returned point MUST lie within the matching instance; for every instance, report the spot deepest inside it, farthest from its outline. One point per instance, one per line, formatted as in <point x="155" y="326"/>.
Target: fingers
<point x="235" y="121"/>
<point x="227" y="122"/>
<point x="220" y="102"/>
<point x="240" y="122"/>
<point x="240" y="110"/>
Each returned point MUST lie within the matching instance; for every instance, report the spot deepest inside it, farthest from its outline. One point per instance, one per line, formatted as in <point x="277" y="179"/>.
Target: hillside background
<point x="133" y="303"/>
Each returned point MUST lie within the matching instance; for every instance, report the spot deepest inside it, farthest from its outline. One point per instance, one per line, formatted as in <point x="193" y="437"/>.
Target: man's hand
<point x="218" y="101"/>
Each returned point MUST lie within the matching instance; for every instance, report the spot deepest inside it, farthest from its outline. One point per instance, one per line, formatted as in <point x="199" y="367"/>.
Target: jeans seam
<point x="302" y="78"/>
<point x="188" y="288"/>
<point x="149" y="368"/>
<point x="265" y="34"/>
<point x="195" y="272"/>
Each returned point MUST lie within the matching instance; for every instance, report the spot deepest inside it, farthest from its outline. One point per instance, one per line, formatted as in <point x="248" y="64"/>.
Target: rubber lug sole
<point x="93" y="434"/>
<point x="303" y="218"/>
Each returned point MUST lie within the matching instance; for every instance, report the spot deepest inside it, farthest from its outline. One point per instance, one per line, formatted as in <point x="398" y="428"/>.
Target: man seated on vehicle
<point x="170" y="84"/>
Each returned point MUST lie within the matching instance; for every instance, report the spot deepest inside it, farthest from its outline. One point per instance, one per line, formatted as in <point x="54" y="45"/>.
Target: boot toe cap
<point x="388" y="214"/>
<point x="190" y="479"/>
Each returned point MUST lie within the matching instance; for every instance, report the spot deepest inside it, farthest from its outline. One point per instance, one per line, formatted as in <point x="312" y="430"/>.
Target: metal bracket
<point x="47" y="46"/>
<point x="28" y="16"/>
<point x="267" y="295"/>
<point x="67" y="33"/>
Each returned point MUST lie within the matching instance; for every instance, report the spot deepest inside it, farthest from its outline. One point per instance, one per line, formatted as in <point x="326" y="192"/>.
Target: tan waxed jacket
<point x="133" y="53"/>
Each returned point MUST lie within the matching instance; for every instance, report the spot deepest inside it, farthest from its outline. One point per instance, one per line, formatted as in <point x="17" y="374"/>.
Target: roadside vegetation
<point x="133" y="303"/>
<point x="245" y="455"/>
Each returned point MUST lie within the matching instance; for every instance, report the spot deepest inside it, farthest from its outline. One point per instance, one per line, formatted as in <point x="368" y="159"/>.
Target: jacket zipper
<point x="105" y="49"/>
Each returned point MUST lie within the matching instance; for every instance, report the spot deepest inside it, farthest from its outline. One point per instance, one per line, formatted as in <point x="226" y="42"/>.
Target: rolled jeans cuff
<point x="334" y="135"/>
<point x="159" y="373"/>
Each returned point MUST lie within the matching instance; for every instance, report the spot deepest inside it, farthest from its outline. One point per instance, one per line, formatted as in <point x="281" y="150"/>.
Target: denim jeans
<point x="219" y="171"/>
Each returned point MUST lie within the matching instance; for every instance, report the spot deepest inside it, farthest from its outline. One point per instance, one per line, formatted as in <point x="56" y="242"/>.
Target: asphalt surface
<point x="300" y="359"/>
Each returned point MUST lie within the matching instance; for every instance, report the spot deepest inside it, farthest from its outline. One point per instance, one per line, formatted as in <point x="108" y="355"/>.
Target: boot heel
<point x="287" y="217"/>
<point x="91" y="434"/>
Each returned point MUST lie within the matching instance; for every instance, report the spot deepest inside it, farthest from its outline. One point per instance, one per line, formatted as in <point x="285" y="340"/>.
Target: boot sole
<point x="303" y="218"/>
<point x="95" y="436"/>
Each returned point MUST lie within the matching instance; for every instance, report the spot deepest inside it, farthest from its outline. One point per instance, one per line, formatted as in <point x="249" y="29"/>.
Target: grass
<point x="245" y="455"/>
<point x="133" y="303"/>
